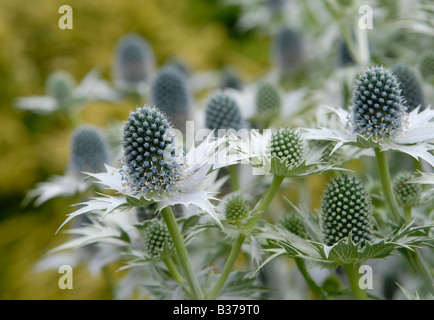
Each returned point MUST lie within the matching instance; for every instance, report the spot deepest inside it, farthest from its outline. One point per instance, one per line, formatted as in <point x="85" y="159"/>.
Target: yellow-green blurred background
<point x="34" y="147"/>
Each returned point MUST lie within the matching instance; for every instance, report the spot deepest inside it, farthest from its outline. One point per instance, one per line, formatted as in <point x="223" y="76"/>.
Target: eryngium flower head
<point x="134" y="60"/>
<point x="287" y="146"/>
<point x="60" y="85"/>
<point x="378" y="108"/>
<point x="293" y="223"/>
<point x="149" y="151"/>
<point x="411" y="87"/>
<point x="89" y="151"/>
<point x="346" y="208"/>
<point x="222" y="112"/>
<point x="236" y="209"/>
<point x="408" y="194"/>
<point x="169" y="93"/>
<point x="268" y="100"/>
<point x="287" y="50"/>
<point x="156" y="236"/>
<point x="426" y="66"/>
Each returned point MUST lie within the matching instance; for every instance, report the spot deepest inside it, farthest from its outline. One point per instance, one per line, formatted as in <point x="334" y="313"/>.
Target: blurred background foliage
<point x="34" y="147"/>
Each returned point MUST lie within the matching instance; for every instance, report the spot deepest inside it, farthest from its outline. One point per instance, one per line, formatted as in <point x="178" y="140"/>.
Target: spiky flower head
<point x="268" y="100"/>
<point x="293" y="223"/>
<point x="170" y="94"/>
<point x="408" y="194"/>
<point x="134" y="60"/>
<point x="236" y="209"/>
<point x="89" y="151"/>
<point x="426" y="66"/>
<point x="156" y="236"/>
<point x="60" y="85"/>
<point x="378" y="108"/>
<point x="346" y="208"/>
<point x="149" y="151"/>
<point x="287" y="146"/>
<point x="287" y="50"/>
<point x="223" y="112"/>
<point x="411" y="87"/>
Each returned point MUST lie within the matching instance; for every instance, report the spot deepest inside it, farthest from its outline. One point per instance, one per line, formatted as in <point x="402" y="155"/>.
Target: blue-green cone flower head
<point x="411" y="87"/>
<point x="426" y="66"/>
<point x="157" y="234"/>
<point x="89" y="151"/>
<point x="236" y="209"/>
<point x="169" y="93"/>
<point x="378" y="107"/>
<point x="407" y="194"/>
<point x="149" y="152"/>
<point x="60" y="85"/>
<point x="294" y="224"/>
<point x="268" y="101"/>
<point x="287" y="49"/>
<point x="134" y="61"/>
<point x="222" y="112"/>
<point x="346" y="208"/>
<point x="287" y="146"/>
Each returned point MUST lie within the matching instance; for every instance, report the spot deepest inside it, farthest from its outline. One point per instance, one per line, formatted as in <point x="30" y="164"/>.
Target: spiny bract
<point x="89" y="150"/>
<point x="149" y="151"/>
<point x="411" y="87"/>
<point x="222" y="112"/>
<point x="236" y="209"/>
<point x="156" y="235"/>
<point x="346" y="208"/>
<point x="408" y="194"/>
<point x="287" y="146"/>
<point x="378" y="108"/>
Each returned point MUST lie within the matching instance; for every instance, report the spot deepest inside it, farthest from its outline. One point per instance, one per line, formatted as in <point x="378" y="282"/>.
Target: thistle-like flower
<point x="294" y="224"/>
<point x="378" y="107"/>
<point x="346" y="209"/>
<point x="60" y="85"/>
<point x="287" y="147"/>
<point x="407" y="194"/>
<point x="156" y="237"/>
<point x="155" y="169"/>
<point x="268" y="103"/>
<point x="287" y="50"/>
<point x="236" y="209"/>
<point x="169" y="93"/>
<point x="411" y="87"/>
<point x="222" y="112"/>
<point x="134" y="62"/>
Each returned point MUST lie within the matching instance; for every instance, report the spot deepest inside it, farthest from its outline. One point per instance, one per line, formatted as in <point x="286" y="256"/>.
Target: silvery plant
<point x="265" y="190"/>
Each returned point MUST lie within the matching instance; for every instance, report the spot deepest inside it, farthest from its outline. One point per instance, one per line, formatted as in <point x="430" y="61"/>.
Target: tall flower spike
<point x="287" y="146"/>
<point x="287" y="50"/>
<point x="60" y="85"/>
<point x="156" y="236"/>
<point x="169" y="93"/>
<point x="134" y="62"/>
<point x="89" y="151"/>
<point x="346" y="208"/>
<point x="222" y="112"/>
<point x="149" y="151"/>
<point x="378" y="109"/>
<point x="426" y="66"/>
<point x="408" y="194"/>
<point x="411" y="87"/>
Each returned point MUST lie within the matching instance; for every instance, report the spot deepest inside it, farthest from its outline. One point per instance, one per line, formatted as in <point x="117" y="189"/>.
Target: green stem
<point x="352" y="273"/>
<point x="310" y="282"/>
<point x="260" y="209"/>
<point x="173" y="270"/>
<point x="227" y="268"/>
<point x="407" y="213"/>
<point x="233" y="175"/>
<point x="184" y="259"/>
<point x="386" y="183"/>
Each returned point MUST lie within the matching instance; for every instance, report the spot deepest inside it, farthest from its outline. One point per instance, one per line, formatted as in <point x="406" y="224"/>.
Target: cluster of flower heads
<point x="149" y="151"/>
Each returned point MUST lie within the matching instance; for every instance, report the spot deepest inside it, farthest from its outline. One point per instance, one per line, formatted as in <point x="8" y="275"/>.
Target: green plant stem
<point x="184" y="259"/>
<point x="352" y="273"/>
<point x="227" y="268"/>
<point x="173" y="271"/>
<point x="260" y="209"/>
<point x="386" y="183"/>
<point x="234" y="178"/>
<point x="407" y="213"/>
<point x="310" y="282"/>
